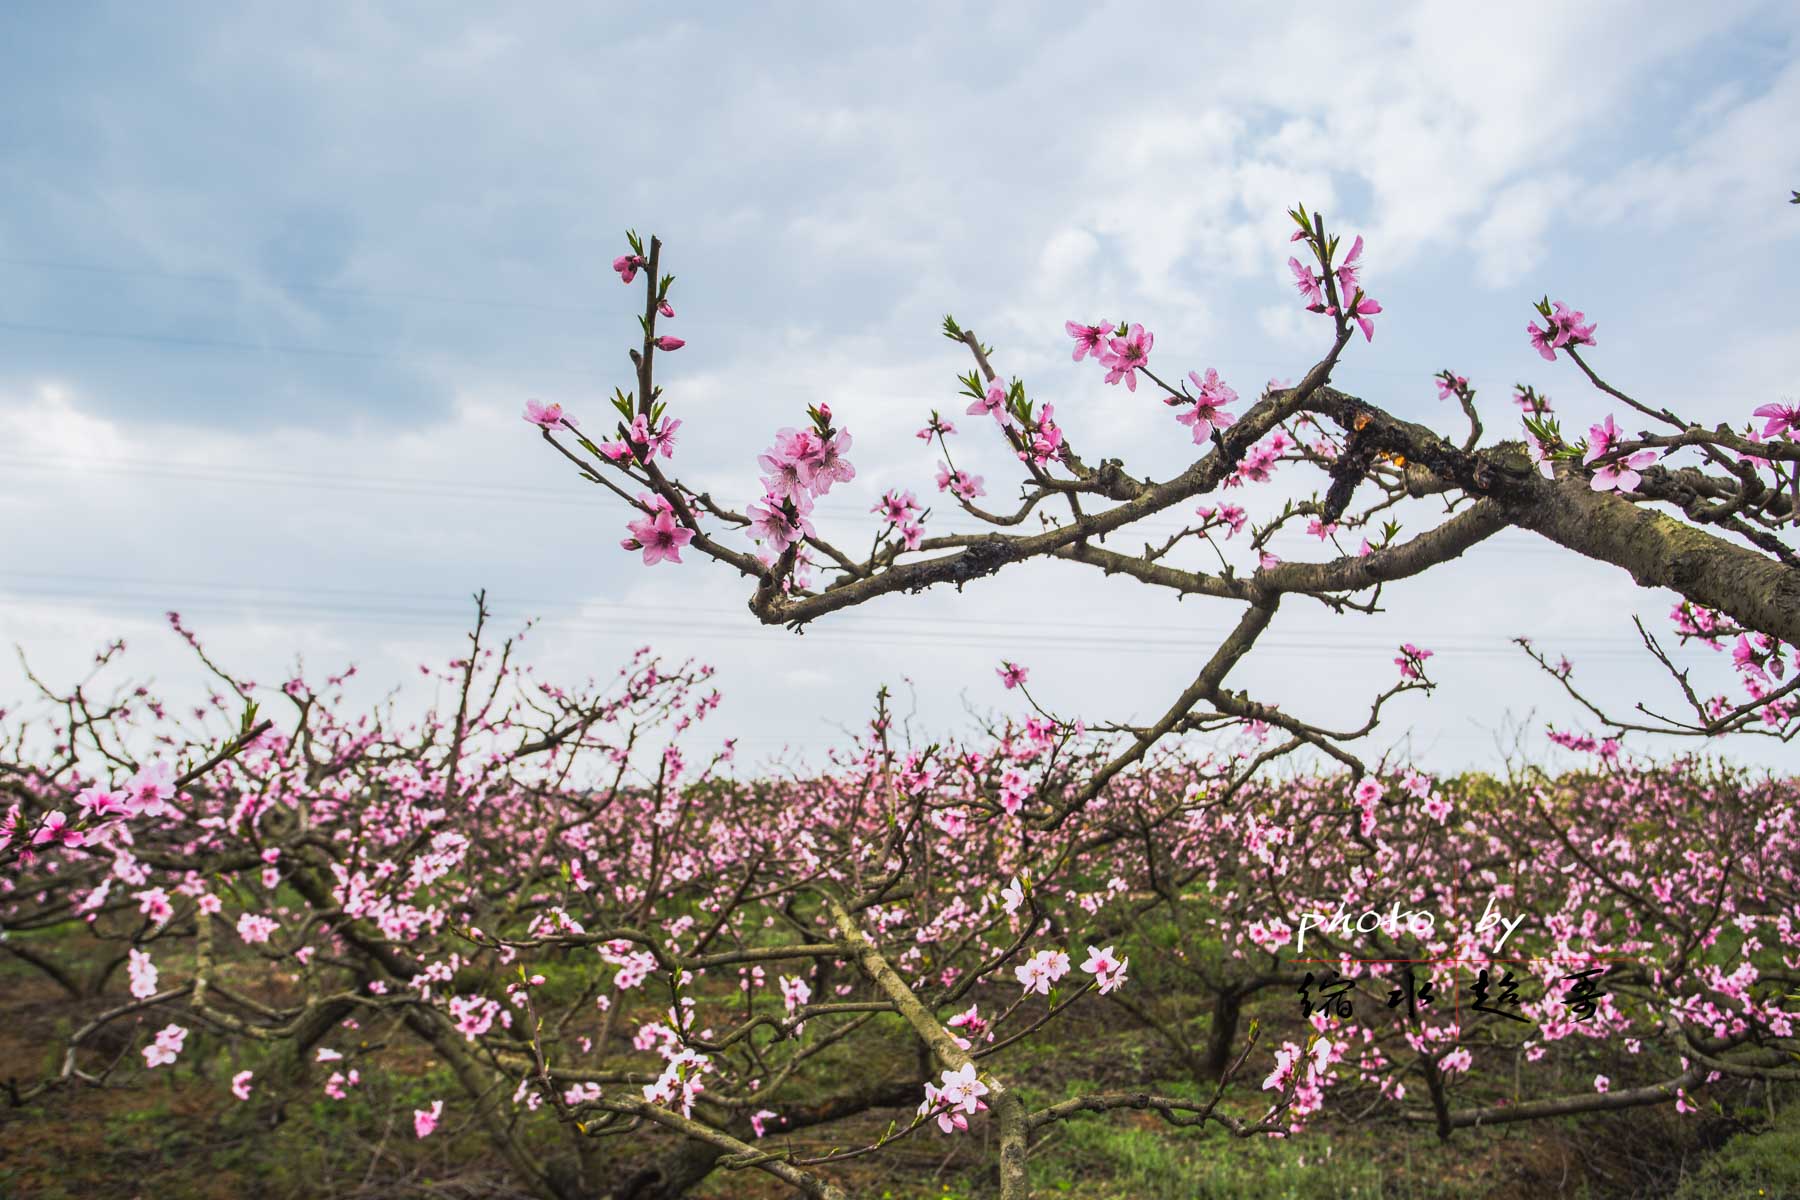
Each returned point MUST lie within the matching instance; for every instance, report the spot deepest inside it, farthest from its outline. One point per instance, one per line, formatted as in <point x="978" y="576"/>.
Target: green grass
<point x="179" y="1133"/>
<point x="1752" y="1166"/>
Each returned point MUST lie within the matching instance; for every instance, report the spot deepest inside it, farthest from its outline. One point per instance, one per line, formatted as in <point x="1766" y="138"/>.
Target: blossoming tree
<point x="637" y="970"/>
<point x="536" y="885"/>
<point x="1705" y="512"/>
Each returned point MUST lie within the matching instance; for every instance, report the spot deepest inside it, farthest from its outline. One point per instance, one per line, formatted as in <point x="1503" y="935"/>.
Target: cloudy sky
<point x="278" y="281"/>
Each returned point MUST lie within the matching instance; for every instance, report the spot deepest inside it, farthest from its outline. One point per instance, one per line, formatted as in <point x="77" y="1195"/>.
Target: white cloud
<point x="820" y="222"/>
<point x="1288" y="324"/>
<point x="1510" y="241"/>
<point x="1726" y="177"/>
<point x="47" y="423"/>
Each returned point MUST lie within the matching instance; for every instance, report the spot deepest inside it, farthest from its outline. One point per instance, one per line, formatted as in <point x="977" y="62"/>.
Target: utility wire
<point x="165" y="339"/>
<point x="291" y="285"/>
<point x="511" y="493"/>
<point x="636" y="621"/>
<point x="1422" y="377"/>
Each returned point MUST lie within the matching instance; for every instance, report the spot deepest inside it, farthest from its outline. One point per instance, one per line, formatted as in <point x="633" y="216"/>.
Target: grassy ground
<point x="178" y="1133"/>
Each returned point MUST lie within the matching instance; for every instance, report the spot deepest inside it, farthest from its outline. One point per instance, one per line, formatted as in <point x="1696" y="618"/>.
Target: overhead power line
<point x="571" y="493"/>
<point x="248" y="279"/>
<point x="166" y="339"/>
<point x="292" y="285"/>
<point x="634" y="621"/>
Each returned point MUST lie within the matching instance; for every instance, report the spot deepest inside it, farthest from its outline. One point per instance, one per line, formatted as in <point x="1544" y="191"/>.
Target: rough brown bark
<point x="1660" y="551"/>
<point x="1226" y="1009"/>
<point x="673" y="1175"/>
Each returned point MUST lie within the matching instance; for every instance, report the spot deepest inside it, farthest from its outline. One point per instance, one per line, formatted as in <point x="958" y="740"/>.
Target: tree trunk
<point x="1224" y="1031"/>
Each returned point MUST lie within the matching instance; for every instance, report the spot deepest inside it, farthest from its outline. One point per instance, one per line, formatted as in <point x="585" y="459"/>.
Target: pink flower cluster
<point x="1565" y="328"/>
<point x="802" y="465"/>
<point x="657" y="533"/>
<point x="1258" y="464"/>
<point x="993" y="403"/>
<point x="1412" y="661"/>
<point x="627" y="265"/>
<point x="167" y="1046"/>
<point x="547" y="416"/>
<point x="1760" y="666"/>
<point x="1208" y="410"/>
<point x="1783" y="420"/>
<point x="1015" y="789"/>
<point x="254" y="928"/>
<point x="971" y="1020"/>
<point x="641" y="442"/>
<point x="1530" y="400"/>
<point x="680" y="1083"/>
<point x="1368" y="794"/>
<point x="1290" y="1056"/>
<point x="146" y="794"/>
<point x="1045" y="440"/>
<point x="1107" y="969"/>
<point x="1622" y="475"/>
<point x="1123" y="351"/>
<point x="1758" y="655"/>
<point x="1357" y="306"/>
<point x="900" y="509"/>
<point x="961" y="484"/>
<point x="1450" y="384"/>
<point x="959" y="1098"/>
<point x="936" y="427"/>
<point x="1228" y="515"/>
<point x="1125" y="356"/>
<point x="143" y="974"/>
<point x="795" y="992"/>
<point x="1041" y="970"/>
